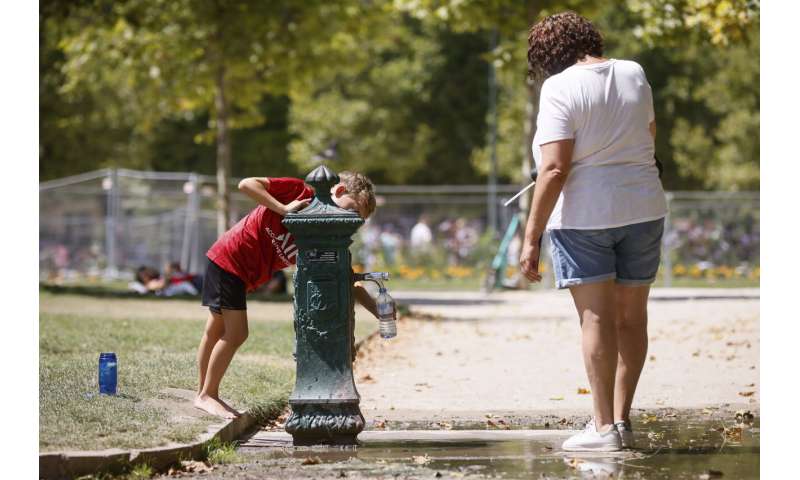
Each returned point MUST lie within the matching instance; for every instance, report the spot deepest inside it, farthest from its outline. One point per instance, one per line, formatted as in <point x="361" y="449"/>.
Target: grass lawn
<point x="155" y="342"/>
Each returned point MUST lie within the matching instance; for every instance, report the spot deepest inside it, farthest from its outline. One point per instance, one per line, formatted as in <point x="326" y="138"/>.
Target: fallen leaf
<point x="648" y="418"/>
<point x="744" y="416"/>
<point x="652" y="358"/>
<point x="311" y="461"/>
<point x="574" y="462"/>
<point x="560" y="397"/>
<point x="710" y="474"/>
<point x="583" y="391"/>
<point x="696" y="353"/>
<point x="746" y="394"/>
<point x="733" y="433"/>
<point x="379" y="424"/>
<point x="367" y="379"/>
<point x="421" y="459"/>
<point x="195" y="466"/>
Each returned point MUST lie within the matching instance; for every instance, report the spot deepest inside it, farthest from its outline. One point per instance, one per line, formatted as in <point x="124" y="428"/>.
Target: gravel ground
<point x="518" y="353"/>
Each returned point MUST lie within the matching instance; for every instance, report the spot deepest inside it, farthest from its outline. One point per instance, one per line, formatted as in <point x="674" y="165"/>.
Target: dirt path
<point x="519" y="353"/>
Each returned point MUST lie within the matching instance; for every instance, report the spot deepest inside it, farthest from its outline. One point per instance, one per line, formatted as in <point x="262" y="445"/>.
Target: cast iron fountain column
<point x="324" y="401"/>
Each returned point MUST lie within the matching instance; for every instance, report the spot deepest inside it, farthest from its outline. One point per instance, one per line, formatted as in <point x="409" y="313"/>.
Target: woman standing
<point x="601" y="201"/>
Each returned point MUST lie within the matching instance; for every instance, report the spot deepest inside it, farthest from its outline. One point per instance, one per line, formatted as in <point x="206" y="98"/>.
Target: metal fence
<point x="106" y="223"/>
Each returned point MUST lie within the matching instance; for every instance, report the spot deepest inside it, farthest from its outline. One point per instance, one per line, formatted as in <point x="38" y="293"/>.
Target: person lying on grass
<point x="246" y="256"/>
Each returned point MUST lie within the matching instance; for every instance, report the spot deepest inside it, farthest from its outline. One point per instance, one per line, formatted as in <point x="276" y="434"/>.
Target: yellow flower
<point x="695" y="272"/>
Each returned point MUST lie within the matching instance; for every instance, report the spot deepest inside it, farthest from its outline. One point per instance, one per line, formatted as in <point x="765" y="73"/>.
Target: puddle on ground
<point x="666" y="449"/>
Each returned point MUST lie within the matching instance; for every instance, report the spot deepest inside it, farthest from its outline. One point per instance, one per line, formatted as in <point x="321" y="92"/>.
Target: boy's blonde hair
<point x="360" y="188"/>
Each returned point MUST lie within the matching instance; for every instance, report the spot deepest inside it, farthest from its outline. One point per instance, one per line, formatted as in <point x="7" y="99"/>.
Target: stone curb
<point x="65" y="465"/>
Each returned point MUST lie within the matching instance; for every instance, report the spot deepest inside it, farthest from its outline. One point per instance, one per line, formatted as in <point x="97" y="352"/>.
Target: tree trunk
<point x="223" y="155"/>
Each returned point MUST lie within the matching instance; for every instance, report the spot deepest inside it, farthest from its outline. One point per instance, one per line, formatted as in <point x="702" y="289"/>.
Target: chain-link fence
<point x="106" y="223"/>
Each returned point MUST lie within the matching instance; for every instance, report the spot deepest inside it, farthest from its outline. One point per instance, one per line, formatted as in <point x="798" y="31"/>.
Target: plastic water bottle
<point x="107" y="374"/>
<point x="386" y="314"/>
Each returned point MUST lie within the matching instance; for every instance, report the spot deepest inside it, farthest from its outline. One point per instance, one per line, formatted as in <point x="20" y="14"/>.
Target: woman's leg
<point x="215" y="328"/>
<point x="597" y="311"/>
<point x="236" y="332"/>
<point x="632" y="344"/>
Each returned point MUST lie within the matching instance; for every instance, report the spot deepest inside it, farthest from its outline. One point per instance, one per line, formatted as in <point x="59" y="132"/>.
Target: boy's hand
<point x="296" y="205"/>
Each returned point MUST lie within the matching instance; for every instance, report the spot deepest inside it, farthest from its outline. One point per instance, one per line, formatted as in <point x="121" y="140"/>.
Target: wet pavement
<point x="666" y="448"/>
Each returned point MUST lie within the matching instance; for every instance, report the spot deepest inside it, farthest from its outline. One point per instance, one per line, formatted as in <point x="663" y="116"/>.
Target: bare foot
<point x="228" y="407"/>
<point x="212" y="406"/>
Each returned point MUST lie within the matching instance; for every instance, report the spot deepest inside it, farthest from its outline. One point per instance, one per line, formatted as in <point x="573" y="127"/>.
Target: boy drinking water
<point x="246" y="256"/>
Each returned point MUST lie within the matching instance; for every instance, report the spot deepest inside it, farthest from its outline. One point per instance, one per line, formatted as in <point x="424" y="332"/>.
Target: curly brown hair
<point x="560" y="40"/>
<point x="361" y="189"/>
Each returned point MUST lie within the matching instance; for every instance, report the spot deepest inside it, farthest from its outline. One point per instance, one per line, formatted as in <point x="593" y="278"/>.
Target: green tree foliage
<point x="182" y="58"/>
<point x="722" y="21"/>
<point x="412" y="111"/>
<point x="78" y="130"/>
<point x="704" y="70"/>
<point x="399" y="86"/>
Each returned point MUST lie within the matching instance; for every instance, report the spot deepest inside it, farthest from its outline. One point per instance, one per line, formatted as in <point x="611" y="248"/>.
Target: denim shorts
<point x="630" y="254"/>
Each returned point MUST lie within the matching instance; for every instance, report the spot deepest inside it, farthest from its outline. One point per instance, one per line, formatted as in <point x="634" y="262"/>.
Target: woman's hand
<point x="529" y="260"/>
<point x="296" y="205"/>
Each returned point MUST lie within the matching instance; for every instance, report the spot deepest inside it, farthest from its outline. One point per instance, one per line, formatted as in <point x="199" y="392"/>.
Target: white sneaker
<point x="590" y="440"/>
<point x="625" y="433"/>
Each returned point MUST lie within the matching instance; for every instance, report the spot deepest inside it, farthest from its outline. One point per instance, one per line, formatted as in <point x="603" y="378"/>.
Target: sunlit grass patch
<point x="153" y="354"/>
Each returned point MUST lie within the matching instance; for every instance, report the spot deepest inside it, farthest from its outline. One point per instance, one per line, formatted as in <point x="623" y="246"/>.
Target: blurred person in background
<point x="600" y="199"/>
<point x="421" y="236"/>
<point x="390" y="243"/>
<point x="465" y="238"/>
<point x="369" y="236"/>
<point x="421" y="251"/>
<point x="174" y="281"/>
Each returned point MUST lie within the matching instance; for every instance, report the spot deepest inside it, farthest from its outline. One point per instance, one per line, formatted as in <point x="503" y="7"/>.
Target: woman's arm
<point x="257" y="188"/>
<point x="556" y="164"/>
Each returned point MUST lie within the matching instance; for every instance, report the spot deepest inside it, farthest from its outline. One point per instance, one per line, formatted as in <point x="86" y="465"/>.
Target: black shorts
<point x="223" y="289"/>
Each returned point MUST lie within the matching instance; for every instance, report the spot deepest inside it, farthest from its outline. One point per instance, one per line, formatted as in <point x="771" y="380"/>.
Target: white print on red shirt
<point x="284" y="246"/>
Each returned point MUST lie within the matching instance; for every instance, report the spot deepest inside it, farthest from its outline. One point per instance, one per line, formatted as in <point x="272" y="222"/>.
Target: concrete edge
<point x="70" y="464"/>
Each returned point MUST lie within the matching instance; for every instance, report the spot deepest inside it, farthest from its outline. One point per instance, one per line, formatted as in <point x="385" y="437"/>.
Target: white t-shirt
<point x="421" y="236"/>
<point x="606" y="108"/>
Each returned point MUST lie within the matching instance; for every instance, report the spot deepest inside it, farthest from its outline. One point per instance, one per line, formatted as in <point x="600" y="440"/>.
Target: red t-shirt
<point x="259" y="244"/>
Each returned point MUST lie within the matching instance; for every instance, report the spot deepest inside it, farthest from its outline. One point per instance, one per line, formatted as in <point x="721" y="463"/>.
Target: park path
<point x="467" y="355"/>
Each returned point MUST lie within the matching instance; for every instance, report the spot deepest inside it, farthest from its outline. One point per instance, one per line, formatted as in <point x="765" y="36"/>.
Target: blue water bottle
<point x="107" y="374"/>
